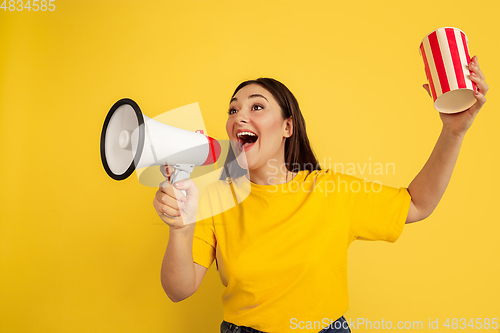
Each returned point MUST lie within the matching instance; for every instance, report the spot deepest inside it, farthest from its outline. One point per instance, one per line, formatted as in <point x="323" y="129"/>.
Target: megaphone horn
<point x="130" y="140"/>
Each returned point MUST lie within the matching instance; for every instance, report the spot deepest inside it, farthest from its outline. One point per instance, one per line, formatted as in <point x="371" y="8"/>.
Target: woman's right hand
<point x="170" y="200"/>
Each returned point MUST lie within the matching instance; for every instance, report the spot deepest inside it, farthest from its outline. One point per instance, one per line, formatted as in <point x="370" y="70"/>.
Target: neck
<point x="271" y="174"/>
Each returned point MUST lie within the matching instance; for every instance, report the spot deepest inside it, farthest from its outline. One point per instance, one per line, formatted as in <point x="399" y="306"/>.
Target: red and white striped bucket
<point x="446" y="57"/>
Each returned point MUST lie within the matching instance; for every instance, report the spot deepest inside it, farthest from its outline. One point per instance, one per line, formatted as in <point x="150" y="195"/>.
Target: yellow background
<point x="80" y="252"/>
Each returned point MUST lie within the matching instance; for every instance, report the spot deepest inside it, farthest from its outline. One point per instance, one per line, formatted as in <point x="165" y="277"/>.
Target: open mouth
<point x="247" y="140"/>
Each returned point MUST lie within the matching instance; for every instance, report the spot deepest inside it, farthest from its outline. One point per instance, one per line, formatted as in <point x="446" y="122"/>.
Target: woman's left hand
<point x="459" y="123"/>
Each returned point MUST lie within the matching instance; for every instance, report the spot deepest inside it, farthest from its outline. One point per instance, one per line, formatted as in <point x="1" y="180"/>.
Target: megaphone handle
<point x="181" y="171"/>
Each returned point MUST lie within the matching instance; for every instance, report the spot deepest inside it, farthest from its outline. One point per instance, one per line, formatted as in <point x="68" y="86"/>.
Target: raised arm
<point x="429" y="185"/>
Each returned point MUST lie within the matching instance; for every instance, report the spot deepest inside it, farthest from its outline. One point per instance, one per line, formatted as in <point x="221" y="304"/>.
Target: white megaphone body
<point x="130" y="140"/>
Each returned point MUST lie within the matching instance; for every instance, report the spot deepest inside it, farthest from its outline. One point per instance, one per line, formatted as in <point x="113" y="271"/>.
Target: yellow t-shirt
<point x="282" y="251"/>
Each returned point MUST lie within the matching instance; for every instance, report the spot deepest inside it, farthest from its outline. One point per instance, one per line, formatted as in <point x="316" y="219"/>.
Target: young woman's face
<point x="254" y="109"/>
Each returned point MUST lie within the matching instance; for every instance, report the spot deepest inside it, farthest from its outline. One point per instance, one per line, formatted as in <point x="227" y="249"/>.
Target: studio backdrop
<point x="81" y="252"/>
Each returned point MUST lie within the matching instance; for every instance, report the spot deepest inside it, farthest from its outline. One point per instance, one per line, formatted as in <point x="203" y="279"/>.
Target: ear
<point x="288" y="127"/>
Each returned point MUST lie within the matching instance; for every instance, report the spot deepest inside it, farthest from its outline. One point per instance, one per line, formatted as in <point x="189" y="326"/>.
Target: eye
<point x="230" y="111"/>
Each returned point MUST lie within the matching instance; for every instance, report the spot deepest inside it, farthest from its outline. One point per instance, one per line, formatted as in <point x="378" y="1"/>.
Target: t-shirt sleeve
<point x="204" y="241"/>
<point x="375" y="211"/>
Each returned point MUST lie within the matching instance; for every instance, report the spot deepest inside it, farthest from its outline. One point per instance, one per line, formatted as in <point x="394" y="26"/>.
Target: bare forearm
<point x="430" y="184"/>
<point x="177" y="270"/>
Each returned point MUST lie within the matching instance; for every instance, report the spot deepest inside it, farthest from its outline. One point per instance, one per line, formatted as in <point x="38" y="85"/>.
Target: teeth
<point x="246" y="133"/>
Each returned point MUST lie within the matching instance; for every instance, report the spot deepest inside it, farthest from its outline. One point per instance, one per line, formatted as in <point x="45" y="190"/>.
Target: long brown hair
<point x="298" y="152"/>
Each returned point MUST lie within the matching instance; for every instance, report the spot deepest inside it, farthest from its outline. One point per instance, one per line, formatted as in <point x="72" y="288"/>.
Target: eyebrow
<point x="254" y="95"/>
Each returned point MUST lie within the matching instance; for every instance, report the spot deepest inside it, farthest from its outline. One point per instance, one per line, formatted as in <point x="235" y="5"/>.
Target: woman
<point x="282" y="252"/>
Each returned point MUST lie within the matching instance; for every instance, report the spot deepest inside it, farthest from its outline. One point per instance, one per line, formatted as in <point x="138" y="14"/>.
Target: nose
<point x="242" y="117"/>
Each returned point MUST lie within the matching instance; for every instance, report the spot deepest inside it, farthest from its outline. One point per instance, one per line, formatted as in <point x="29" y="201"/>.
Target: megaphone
<point x="130" y="140"/>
